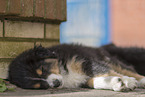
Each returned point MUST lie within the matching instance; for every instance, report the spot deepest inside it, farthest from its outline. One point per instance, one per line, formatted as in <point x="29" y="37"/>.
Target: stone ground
<point x="82" y="92"/>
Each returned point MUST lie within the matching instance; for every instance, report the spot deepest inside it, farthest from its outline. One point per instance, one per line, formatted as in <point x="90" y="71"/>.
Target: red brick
<point x="27" y="8"/>
<point x="64" y="10"/>
<point x="50" y="9"/>
<point x="39" y="8"/>
<point x="3" y="6"/>
<point x="14" y="7"/>
<point x="61" y="9"/>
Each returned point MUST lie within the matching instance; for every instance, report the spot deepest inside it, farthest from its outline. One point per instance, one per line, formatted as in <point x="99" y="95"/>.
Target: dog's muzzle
<point x="54" y="80"/>
<point x="57" y="83"/>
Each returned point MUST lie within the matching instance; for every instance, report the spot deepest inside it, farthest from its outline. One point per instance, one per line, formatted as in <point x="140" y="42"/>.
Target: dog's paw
<point x="123" y="84"/>
<point x="117" y="84"/>
<point x="130" y="83"/>
<point x="42" y="52"/>
<point x="141" y="83"/>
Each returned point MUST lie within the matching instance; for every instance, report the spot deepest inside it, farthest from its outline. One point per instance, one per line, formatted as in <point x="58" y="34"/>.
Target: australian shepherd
<point x="74" y="66"/>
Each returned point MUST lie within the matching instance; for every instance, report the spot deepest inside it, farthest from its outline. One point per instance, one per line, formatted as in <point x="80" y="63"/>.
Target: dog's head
<point x="50" y="72"/>
<point x="47" y="66"/>
<point x="35" y="68"/>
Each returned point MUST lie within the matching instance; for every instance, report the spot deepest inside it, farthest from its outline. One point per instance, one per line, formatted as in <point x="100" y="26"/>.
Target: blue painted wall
<point x="87" y="23"/>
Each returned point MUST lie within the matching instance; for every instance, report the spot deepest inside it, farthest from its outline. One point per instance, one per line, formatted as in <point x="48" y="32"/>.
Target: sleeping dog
<point x="74" y="66"/>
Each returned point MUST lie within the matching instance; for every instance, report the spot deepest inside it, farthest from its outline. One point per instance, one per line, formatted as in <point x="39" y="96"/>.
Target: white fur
<point x="72" y="79"/>
<point x="53" y="77"/>
<point x="115" y="83"/>
<point x="109" y="82"/>
<point x="100" y="83"/>
<point x="69" y="80"/>
<point x="141" y="83"/>
<point x="130" y="82"/>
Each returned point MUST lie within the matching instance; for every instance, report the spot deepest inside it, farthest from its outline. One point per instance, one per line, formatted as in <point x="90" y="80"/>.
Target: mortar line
<point x="44" y="30"/>
<point x="45" y="8"/>
<point x="34" y="7"/>
<point x="3" y="28"/>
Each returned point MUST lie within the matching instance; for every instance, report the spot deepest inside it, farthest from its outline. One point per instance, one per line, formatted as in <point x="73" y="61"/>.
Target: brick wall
<point x="23" y="26"/>
<point x="37" y="10"/>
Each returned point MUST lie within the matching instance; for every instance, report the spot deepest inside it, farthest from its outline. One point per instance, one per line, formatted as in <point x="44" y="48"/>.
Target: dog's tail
<point x="132" y="55"/>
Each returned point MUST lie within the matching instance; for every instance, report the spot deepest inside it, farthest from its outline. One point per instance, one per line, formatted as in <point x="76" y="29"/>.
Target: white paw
<point x="117" y="84"/>
<point x="123" y="84"/>
<point x="141" y="83"/>
<point x="130" y="82"/>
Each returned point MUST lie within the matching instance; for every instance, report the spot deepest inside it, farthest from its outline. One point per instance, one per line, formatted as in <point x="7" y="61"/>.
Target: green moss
<point x="3" y="86"/>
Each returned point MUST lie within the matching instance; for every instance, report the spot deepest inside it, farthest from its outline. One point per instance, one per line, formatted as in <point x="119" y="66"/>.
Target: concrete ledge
<point x="72" y="93"/>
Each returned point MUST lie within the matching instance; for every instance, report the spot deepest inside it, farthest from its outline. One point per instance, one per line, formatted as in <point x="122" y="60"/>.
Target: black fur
<point x="25" y="65"/>
<point x="96" y="61"/>
<point x="65" y="52"/>
<point x="131" y="56"/>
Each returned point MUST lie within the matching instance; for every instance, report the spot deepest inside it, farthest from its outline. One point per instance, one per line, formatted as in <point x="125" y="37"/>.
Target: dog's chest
<point x="72" y="79"/>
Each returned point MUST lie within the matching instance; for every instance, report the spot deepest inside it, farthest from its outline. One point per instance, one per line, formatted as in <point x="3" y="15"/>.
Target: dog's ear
<point x="37" y="47"/>
<point x="42" y="52"/>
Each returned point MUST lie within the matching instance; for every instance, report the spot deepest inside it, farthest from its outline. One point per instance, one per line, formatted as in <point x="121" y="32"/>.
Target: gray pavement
<point x="72" y="93"/>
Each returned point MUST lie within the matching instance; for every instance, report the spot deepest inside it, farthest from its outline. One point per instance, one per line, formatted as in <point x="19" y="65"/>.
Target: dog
<point x="74" y="66"/>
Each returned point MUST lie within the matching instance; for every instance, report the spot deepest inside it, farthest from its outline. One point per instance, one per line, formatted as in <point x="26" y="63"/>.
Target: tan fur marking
<point x="126" y="72"/>
<point x="37" y="85"/>
<point x="102" y="75"/>
<point x="90" y="83"/>
<point x="39" y="72"/>
<point x="54" y="68"/>
<point x="113" y="73"/>
<point x="75" y="65"/>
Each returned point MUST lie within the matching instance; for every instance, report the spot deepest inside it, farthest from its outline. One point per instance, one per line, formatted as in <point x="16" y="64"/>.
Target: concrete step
<point x="82" y="92"/>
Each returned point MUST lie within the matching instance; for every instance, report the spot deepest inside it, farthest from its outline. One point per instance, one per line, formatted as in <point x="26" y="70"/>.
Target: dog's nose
<point x="57" y="83"/>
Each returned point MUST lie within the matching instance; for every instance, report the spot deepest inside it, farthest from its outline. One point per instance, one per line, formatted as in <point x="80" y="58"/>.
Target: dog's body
<point x="73" y="66"/>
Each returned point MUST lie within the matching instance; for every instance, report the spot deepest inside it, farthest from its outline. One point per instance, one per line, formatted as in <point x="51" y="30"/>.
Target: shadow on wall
<point x="87" y="23"/>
